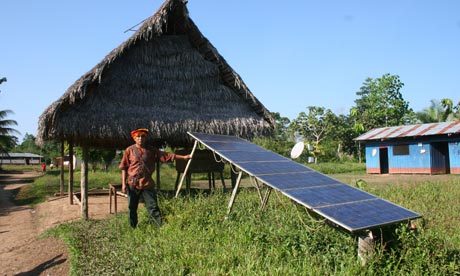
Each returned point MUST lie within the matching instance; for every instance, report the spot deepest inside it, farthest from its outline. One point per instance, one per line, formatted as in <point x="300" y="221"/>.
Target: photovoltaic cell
<point x="297" y="180"/>
<point x="328" y="195"/>
<point x="226" y="146"/>
<point x="261" y="168"/>
<point x="243" y="156"/>
<point x="344" y="205"/>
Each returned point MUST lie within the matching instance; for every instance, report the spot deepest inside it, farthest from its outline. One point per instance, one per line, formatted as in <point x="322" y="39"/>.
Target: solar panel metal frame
<point x="365" y="212"/>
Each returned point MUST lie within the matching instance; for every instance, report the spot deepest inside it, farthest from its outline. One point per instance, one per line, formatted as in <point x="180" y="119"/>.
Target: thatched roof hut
<point x="167" y="77"/>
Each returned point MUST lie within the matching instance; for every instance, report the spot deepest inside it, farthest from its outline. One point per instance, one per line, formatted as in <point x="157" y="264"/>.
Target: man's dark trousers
<point x="151" y="204"/>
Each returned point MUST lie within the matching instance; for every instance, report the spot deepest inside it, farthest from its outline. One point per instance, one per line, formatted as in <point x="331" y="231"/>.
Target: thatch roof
<point x="168" y="78"/>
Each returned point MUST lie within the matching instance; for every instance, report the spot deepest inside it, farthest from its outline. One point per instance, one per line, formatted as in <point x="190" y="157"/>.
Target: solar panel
<point x="344" y="205"/>
<point x="356" y="216"/>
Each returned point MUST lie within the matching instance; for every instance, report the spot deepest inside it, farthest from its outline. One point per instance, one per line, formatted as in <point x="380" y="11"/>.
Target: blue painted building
<point x="424" y="148"/>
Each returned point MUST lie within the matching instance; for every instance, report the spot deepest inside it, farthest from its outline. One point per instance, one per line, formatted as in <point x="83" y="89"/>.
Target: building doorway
<point x="383" y="160"/>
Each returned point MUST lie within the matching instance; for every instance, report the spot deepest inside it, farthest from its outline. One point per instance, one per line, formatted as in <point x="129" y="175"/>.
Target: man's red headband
<point x="139" y="132"/>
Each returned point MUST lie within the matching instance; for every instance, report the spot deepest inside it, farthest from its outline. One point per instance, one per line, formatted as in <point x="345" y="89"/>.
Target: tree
<point x="282" y="141"/>
<point x="107" y="157"/>
<point x="439" y="111"/>
<point x="381" y="104"/>
<point x="2" y="80"/>
<point x="315" y="125"/>
<point x="341" y="137"/>
<point x="7" y="140"/>
<point x="28" y="145"/>
<point x="451" y="112"/>
<point x="96" y="156"/>
<point x="282" y="126"/>
<point x="456" y="115"/>
<point x="432" y="114"/>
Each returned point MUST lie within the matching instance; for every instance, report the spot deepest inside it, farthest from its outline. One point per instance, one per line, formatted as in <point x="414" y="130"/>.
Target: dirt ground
<point x="22" y="251"/>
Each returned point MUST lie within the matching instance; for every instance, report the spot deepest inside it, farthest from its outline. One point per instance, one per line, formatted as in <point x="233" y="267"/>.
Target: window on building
<point x="401" y="150"/>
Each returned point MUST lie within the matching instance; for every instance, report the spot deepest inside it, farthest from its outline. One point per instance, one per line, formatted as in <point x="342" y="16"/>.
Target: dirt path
<point x="21" y="250"/>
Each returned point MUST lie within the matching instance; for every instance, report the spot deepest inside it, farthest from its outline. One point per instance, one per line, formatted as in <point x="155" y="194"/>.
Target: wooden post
<point x="158" y="176"/>
<point x="256" y="184"/>
<point x="61" y="182"/>
<point x="267" y="195"/>
<point x="70" y="188"/>
<point x="235" y="191"/>
<point x="186" y="169"/>
<point x="366" y="246"/>
<point x="84" y="183"/>
<point x="232" y="175"/>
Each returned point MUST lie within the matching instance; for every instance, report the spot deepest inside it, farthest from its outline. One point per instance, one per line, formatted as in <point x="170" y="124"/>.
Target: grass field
<point x="198" y="239"/>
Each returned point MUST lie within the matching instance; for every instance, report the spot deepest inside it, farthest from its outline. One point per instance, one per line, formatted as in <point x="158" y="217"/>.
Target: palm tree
<point x="432" y="114"/>
<point x="7" y="140"/>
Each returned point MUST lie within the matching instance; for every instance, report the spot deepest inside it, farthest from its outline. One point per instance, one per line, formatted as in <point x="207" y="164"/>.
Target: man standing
<point x="137" y="166"/>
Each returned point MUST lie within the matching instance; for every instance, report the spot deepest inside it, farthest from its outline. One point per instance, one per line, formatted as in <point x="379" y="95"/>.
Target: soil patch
<point x="22" y="252"/>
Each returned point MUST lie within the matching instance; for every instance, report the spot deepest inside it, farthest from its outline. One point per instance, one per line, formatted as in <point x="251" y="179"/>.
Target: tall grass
<point x="198" y="238"/>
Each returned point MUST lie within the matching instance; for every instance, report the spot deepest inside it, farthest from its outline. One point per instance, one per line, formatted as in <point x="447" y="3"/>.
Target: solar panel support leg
<point x="366" y="246"/>
<point x="267" y="195"/>
<point x="256" y="184"/>
<point x="184" y="175"/>
<point x="235" y="191"/>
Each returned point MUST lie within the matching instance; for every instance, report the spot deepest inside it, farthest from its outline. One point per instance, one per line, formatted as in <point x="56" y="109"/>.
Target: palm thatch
<point x="168" y="78"/>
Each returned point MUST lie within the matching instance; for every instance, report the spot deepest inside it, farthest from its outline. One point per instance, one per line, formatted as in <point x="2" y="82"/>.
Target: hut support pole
<point x="84" y="183"/>
<point x="235" y="191"/>
<point x="70" y="188"/>
<point x="61" y="182"/>
<point x="186" y="169"/>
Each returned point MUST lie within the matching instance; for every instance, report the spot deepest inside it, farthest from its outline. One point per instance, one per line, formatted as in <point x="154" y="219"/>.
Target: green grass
<point x="198" y="239"/>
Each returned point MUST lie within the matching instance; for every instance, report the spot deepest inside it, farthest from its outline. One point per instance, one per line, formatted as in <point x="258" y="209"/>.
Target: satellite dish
<point x="297" y="150"/>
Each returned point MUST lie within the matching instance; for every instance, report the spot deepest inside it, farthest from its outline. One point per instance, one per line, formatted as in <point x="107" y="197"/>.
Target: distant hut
<point x="432" y="148"/>
<point x="166" y="77"/>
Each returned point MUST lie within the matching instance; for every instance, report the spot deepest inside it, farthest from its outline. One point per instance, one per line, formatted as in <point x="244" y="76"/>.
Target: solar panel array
<point x="342" y="204"/>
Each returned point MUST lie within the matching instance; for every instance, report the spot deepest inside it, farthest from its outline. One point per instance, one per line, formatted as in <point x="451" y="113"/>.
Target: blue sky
<point x="291" y="54"/>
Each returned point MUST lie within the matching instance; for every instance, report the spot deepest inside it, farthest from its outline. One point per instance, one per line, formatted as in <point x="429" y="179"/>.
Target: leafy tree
<point x="97" y="156"/>
<point x="315" y="125"/>
<point x="451" y="112"/>
<point x="341" y="137"/>
<point x="282" y="141"/>
<point x="28" y="145"/>
<point x="381" y="103"/>
<point x="51" y="150"/>
<point x="108" y="156"/>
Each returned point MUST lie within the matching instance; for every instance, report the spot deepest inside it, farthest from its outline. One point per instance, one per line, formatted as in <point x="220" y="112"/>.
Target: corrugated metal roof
<point x="410" y="131"/>
<point x="23" y="155"/>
